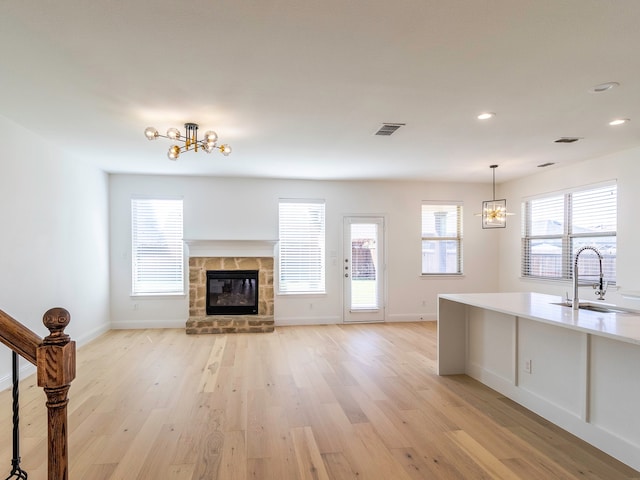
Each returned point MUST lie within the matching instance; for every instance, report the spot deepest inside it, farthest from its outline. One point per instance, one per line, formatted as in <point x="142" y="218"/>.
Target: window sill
<point x="157" y="295"/>
<point x="440" y="275"/>
<point x="301" y="294"/>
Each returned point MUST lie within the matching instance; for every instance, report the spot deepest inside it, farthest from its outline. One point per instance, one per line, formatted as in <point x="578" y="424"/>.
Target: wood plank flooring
<point x="320" y="402"/>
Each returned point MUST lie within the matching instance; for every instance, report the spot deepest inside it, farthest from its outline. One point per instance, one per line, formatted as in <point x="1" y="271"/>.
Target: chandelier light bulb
<point x="618" y="121"/>
<point x="174" y="152"/>
<point x="225" y="150"/>
<point x="151" y="133"/>
<point x="173" y="133"/>
<point x="208" y="147"/>
<point x="486" y="115"/>
<point x="210" y="137"/>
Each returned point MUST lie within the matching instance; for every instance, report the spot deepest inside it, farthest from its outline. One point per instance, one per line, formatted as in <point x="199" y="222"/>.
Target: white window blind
<point x="556" y="226"/>
<point x="157" y="249"/>
<point x="546" y="220"/>
<point x="441" y="238"/>
<point x="302" y="246"/>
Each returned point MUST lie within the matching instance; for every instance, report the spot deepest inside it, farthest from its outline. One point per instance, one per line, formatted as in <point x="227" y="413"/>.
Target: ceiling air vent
<point x="567" y="139"/>
<point x="388" y="128"/>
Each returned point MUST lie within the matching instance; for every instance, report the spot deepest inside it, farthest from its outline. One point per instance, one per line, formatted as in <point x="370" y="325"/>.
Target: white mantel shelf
<point x="230" y="248"/>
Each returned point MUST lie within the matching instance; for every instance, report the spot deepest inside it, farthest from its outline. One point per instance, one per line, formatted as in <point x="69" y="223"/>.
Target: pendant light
<point x="494" y="212"/>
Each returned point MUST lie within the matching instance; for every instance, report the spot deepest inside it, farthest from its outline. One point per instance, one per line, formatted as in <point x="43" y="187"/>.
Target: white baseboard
<point x="143" y="324"/>
<point x="320" y="320"/>
<point x="331" y="320"/>
<point x="290" y="321"/>
<point x="412" y="317"/>
<point x="92" y="335"/>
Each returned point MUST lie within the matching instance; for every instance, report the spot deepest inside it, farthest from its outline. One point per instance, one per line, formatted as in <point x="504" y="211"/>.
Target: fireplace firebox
<point x="232" y="292"/>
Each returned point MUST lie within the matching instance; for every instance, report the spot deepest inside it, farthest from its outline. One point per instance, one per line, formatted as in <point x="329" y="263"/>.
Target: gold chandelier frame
<point x="189" y="140"/>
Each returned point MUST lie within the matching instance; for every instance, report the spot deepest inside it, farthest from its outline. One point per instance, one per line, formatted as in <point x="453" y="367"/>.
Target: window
<point x="157" y="251"/>
<point x="441" y="238"/>
<point x="302" y="250"/>
<point x="556" y="226"/>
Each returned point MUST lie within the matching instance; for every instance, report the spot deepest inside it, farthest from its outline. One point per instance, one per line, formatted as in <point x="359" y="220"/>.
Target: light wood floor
<point x="323" y="402"/>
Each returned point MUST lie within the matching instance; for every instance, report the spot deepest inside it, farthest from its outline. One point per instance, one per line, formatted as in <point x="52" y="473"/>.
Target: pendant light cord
<point x="493" y="167"/>
<point x="494" y="183"/>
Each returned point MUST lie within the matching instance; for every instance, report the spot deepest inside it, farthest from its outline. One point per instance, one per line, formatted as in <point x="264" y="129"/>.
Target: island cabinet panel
<point x="555" y="367"/>
<point x="491" y="346"/>
<point x="452" y="334"/>
<point x="615" y="388"/>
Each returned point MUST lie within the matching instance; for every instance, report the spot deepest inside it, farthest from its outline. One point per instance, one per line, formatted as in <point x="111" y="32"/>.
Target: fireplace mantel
<point x="230" y="248"/>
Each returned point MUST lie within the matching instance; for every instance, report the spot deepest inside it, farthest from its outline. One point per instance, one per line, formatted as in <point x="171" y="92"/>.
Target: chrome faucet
<point x="600" y="288"/>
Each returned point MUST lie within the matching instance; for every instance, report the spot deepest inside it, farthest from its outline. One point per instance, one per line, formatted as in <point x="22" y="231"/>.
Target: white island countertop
<point x="540" y="307"/>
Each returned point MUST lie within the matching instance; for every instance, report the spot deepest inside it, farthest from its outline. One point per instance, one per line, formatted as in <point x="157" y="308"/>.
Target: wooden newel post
<point x="56" y="364"/>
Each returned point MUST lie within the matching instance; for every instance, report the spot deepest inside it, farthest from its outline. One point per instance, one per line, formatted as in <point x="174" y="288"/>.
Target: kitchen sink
<point x="599" y="307"/>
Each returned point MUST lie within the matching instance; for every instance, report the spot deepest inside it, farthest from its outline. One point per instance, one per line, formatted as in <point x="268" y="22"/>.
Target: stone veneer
<point x="200" y="322"/>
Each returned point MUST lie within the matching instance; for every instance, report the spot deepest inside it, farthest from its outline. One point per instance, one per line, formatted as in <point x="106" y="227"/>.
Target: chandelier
<point x="494" y="212"/>
<point x="189" y="140"/>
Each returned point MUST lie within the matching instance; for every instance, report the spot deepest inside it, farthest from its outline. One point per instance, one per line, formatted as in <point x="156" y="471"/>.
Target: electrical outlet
<point x="527" y="366"/>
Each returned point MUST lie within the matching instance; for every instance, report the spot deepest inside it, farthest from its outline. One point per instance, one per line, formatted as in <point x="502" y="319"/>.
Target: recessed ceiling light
<point x="603" y="87"/>
<point x="619" y="121"/>
<point x="486" y="115"/>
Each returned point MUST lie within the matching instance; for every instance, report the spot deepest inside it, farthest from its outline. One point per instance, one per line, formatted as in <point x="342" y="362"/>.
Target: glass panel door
<point x="363" y="269"/>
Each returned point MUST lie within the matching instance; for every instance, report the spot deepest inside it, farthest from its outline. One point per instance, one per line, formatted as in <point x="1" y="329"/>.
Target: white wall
<point x="223" y="208"/>
<point x="624" y="167"/>
<point x="54" y="240"/>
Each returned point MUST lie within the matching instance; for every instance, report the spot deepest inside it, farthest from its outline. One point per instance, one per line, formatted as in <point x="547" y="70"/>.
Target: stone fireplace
<point x="208" y="256"/>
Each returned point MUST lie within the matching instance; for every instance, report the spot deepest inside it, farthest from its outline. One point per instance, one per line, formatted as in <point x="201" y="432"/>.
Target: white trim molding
<point x="230" y="248"/>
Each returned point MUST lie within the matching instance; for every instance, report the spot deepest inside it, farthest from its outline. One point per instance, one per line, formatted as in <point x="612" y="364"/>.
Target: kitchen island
<point x="579" y="369"/>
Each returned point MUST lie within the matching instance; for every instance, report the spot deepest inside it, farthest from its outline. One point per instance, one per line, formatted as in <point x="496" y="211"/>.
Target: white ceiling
<point x="298" y="87"/>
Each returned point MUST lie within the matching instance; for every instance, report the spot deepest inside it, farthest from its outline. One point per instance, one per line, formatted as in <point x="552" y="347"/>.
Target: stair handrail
<point x="19" y="338"/>
<point x="55" y="359"/>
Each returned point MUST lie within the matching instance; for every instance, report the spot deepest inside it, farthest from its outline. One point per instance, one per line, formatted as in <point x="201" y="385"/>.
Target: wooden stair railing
<point x="55" y="359"/>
